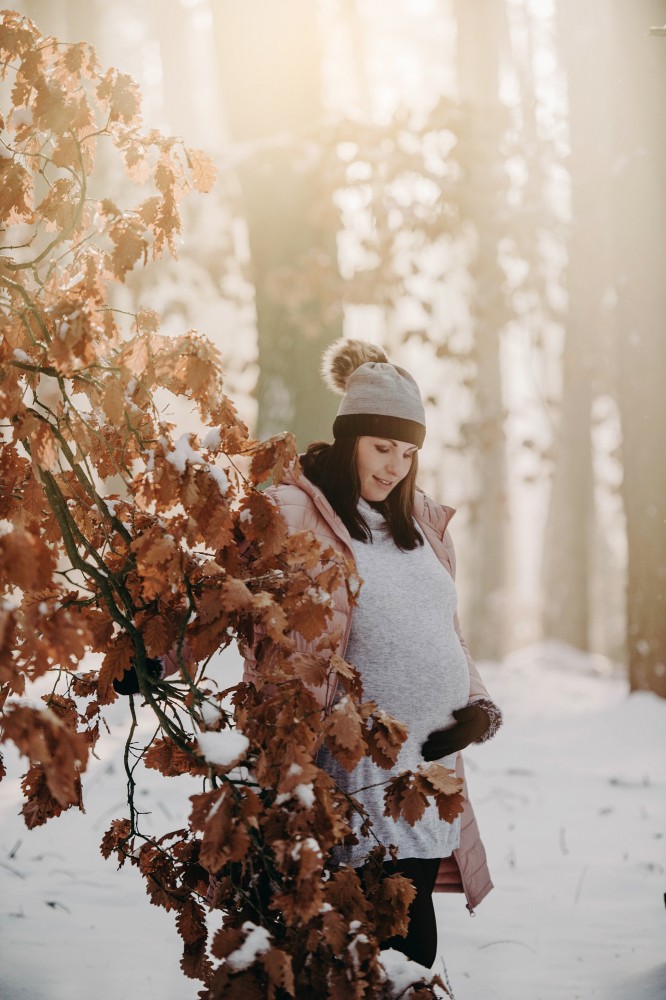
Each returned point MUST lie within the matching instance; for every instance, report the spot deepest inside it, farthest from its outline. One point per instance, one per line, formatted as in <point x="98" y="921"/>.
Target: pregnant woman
<point x="359" y="495"/>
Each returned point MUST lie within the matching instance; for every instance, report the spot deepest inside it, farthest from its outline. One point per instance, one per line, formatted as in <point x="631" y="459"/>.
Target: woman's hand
<point x="472" y="724"/>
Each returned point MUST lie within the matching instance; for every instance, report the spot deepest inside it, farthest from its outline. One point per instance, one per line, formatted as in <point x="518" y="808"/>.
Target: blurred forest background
<point x="478" y="185"/>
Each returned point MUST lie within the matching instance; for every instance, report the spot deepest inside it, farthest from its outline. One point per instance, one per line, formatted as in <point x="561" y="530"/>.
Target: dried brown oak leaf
<point x="202" y="167"/>
<point x="262" y="523"/>
<point x="121" y="95"/>
<point x="162" y="883"/>
<point x="227" y="940"/>
<point x="191" y="922"/>
<point x="301" y="864"/>
<point x="113" y="401"/>
<point x="404" y="798"/>
<point x="385" y="738"/>
<point x="117" y="660"/>
<point x="171" y="760"/>
<point x="25" y="561"/>
<point x="349" y="675"/>
<point x="343" y="729"/>
<point x="391" y="902"/>
<point x="446" y="787"/>
<point x="40" y="804"/>
<point x="225" y="816"/>
<point x="116" y="839"/>
<point x="278" y="966"/>
<point x="271" y="457"/>
<point x="345" y="894"/>
<point x="44" y="739"/>
<point x="306" y="615"/>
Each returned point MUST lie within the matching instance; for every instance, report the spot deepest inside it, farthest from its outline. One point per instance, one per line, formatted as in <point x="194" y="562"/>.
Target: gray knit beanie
<point x="379" y="399"/>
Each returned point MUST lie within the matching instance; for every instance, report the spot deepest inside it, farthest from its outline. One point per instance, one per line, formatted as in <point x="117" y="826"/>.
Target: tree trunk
<point x="354" y="24"/>
<point x="639" y="216"/>
<point x="481" y="30"/>
<point x="269" y="65"/>
<point x="170" y="22"/>
<point x="50" y="16"/>
<point x="583" y="44"/>
<point x="83" y="21"/>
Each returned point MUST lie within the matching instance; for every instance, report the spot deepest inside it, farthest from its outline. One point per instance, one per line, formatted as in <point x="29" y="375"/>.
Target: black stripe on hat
<point x="379" y="425"/>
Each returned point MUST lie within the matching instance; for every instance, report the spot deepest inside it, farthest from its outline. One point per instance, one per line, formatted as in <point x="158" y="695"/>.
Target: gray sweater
<point x="403" y="642"/>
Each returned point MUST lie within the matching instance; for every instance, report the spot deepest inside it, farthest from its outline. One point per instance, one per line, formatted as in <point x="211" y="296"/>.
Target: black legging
<point x="420" y="943"/>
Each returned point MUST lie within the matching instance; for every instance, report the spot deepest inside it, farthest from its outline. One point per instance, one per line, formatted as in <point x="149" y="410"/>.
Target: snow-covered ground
<point x="571" y="802"/>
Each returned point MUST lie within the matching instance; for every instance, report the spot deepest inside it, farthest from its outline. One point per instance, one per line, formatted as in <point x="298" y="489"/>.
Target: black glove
<point x="472" y="722"/>
<point x="129" y="682"/>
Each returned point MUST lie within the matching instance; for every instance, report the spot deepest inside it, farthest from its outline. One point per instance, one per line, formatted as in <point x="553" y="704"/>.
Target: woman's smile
<point x="381" y="464"/>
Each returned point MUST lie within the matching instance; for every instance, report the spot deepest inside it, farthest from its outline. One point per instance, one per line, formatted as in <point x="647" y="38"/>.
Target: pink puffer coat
<point x="304" y="507"/>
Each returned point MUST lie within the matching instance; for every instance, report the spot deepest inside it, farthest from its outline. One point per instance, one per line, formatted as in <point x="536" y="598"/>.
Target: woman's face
<point x="381" y="464"/>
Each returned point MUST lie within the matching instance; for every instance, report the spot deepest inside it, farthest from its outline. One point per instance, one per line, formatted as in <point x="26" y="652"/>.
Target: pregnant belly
<point x="421" y="695"/>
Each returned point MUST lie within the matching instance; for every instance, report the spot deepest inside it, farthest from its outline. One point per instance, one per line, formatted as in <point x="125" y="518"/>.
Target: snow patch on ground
<point x="570" y="799"/>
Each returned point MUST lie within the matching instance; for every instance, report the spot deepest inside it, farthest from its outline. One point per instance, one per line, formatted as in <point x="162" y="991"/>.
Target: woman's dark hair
<point x="332" y="467"/>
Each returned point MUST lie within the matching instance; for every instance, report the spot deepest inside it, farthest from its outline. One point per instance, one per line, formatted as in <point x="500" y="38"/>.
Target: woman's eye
<point x="382" y="451"/>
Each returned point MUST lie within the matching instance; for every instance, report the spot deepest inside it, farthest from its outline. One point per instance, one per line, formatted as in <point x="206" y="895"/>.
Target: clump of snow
<point x="11" y="601"/>
<point x="318" y="595"/>
<point x="307" y="842"/>
<point x="21" y="355"/>
<point x="212" y="439"/>
<point x="305" y="795"/>
<point x="220" y="477"/>
<point x="210" y="713"/>
<point x="257" y="943"/>
<point x="74" y="281"/>
<point x="224" y="748"/>
<point x="352" y="948"/>
<point x="183" y="453"/>
<point x="402" y="973"/>
<point x="48" y="391"/>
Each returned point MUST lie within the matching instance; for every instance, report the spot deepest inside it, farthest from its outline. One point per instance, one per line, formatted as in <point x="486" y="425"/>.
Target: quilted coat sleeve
<point x="477" y="688"/>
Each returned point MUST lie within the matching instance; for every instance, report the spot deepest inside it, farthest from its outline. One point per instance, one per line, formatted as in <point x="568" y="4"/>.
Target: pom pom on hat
<point x="343" y="357"/>
<point x="378" y="398"/>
